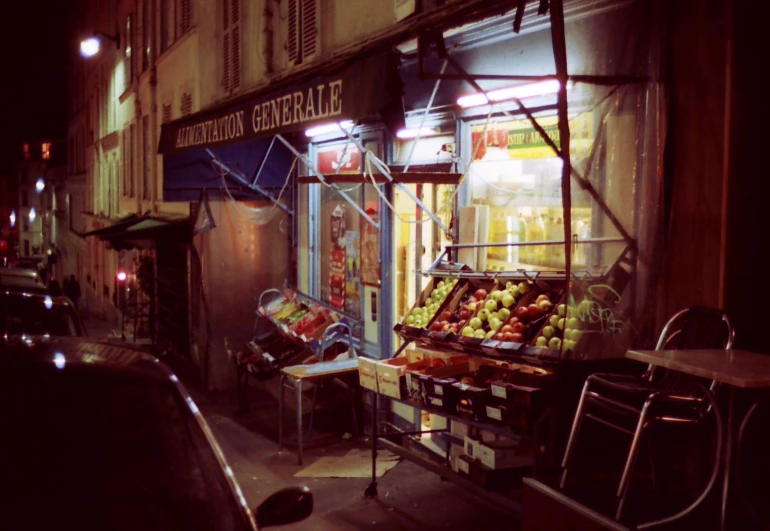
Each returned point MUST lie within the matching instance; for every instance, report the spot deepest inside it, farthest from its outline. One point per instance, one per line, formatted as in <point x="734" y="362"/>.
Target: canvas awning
<point x="137" y="231"/>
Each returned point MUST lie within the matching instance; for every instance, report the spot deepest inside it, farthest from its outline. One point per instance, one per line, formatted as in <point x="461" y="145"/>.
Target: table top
<point x="740" y="368"/>
<point x="320" y="370"/>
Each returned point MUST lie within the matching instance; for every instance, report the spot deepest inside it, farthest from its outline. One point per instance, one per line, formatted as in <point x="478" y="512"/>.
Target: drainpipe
<point x="153" y="107"/>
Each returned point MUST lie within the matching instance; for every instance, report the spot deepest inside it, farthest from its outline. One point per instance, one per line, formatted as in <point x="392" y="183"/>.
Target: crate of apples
<point x="526" y="318"/>
<point x="495" y="312"/>
<point x="459" y="312"/>
<point x="563" y="329"/>
<point x="422" y="314"/>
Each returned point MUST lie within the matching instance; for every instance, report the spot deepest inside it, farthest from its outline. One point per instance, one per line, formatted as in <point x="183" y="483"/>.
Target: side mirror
<point x="285" y="507"/>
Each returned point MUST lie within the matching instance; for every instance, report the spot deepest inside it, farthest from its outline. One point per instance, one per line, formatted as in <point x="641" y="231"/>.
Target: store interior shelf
<point x="445" y="472"/>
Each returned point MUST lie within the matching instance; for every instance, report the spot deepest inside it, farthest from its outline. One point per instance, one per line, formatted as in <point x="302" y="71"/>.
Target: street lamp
<point x="90" y="46"/>
<point x="40" y="185"/>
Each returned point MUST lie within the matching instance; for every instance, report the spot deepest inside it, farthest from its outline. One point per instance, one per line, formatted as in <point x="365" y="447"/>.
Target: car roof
<point x="58" y="301"/>
<point x="19" y="272"/>
<point x="79" y="353"/>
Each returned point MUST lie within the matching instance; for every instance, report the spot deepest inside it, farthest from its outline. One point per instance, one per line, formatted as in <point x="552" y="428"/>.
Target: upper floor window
<point x="129" y="58"/>
<point x="231" y="44"/>
<point x="302" y="30"/>
<point x="25" y="150"/>
<point x="145" y="35"/>
<point x="185" y="15"/>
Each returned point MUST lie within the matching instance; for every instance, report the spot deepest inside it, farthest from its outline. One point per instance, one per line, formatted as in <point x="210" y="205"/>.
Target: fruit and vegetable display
<point x="495" y="316"/>
<point x="564" y="328"/>
<point x="422" y="315"/>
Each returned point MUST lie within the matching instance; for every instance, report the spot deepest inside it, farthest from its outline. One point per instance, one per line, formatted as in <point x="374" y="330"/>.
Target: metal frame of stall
<point x="628" y="256"/>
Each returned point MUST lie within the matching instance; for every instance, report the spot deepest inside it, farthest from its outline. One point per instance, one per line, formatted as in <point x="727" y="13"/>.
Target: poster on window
<point x="337" y="283"/>
<point x="370" y="243"/>
<point x="339" y="160"/>
<point x="352" y="272"/>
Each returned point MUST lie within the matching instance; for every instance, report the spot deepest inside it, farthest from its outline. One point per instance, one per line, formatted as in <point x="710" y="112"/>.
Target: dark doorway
<point x="172" y="309"/>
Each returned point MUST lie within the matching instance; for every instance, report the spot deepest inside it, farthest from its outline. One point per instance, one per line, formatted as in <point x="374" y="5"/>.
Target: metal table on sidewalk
<point x="735" y="368"/>
<point x="295" y="377"/>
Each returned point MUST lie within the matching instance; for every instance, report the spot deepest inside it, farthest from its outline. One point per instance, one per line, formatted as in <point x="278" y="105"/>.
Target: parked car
<point x="30" y="313"/>
<point x="20" y="279"/>
<point x="97" y="436"/>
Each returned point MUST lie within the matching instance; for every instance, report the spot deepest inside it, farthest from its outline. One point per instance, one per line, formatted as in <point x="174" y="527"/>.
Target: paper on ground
<point x="355" y="464"/>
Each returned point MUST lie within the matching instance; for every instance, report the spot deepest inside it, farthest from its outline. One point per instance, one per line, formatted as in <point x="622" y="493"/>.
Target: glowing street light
<point x="91" y="46"/>
<point x="40" y="185"/>
<point x="122" y="276"/>
<point x="13" y="218"/>
<point x="32" y="215"/>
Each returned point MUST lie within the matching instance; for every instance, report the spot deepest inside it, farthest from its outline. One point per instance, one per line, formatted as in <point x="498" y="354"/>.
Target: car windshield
<point x="113" y="452"/>
<point x="32" y="316"/>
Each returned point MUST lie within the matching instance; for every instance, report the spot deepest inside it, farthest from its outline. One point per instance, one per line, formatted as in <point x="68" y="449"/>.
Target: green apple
<point x="541" y="342"/>
<point x="475" y="323"/>
<point x="490" y="334"/>
<point x="441" y="284"/>
<point x="509" y="285"/>
<point x="561" y="310"/>
<point x="508" y="300"/>
<point x="479" y="334"/>
<point x="471" y="307"/>
<point x="483" y="315"/>
<point x="495" y="323"/>
<point x="548" y="332"/>
<point x="569" y="344"/>
<point x="554" y="320"/>
<point x="545" y="306"/>
<point x="503" y="314"/>
<point x="428" y="301"/>
<point x="491" y="306"/>
<point x="417" y="311"/>
<point x="496" y="295"/>
<point x="467" y="331"/>
<point x="554" y="343"/>
<point x="560" y="324"/>
<point x="573" y="323"/>
<point x="410" y="320"/>
<point x="523" y="287"/>
<point x="435" y="293"/>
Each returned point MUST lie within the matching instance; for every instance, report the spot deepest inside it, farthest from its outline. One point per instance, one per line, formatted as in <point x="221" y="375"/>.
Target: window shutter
<point x="226" y="44"/>
<point x="186" y="106"/>
<point x="292" y="43"/>
<point x="166" y="112"/>
<point x="309" y="29"/>
<point x="235" y="39"/>
<point x="186" y="15"/>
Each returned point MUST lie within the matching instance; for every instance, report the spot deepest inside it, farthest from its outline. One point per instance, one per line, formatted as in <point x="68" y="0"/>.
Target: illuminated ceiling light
<point x="59" y="360"/>
<point x="40" y="185"/>
<point x="48" y="302"/>
<point x="528" y="90"/>
<point x="329" y="128"/>
<point x="413" y="132"/>
<point x="32" y="215"/>
<point x="13" y="218"/>
<point x="90" y="46"/>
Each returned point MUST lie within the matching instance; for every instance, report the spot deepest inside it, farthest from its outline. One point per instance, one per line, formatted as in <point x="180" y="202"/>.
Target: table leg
<point x="371" y="490"/>
<point x="299" y="421"/>
<point x="728" y="455"/>
<point x="280" y="413"/>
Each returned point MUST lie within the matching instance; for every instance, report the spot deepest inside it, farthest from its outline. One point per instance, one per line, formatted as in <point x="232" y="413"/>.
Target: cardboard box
<point x="455" y="451"/>
<point x="367" y="373"/>
<point x="499" y="454"/>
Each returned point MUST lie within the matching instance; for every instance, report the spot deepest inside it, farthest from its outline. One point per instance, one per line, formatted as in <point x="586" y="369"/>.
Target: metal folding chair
<point x="631" y="404"/>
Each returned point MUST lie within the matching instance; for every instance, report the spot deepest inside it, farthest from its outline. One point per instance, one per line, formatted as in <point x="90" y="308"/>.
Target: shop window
<point x="302" y="30"/>
<point x="231" y="44"/>
<point x="45" y="150"/>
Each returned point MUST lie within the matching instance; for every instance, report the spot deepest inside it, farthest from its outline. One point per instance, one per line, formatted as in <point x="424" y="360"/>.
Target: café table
<point x="734" y="368"/>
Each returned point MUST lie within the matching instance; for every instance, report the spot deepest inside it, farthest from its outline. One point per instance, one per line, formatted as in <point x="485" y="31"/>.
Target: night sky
<point x="33" y="82"/>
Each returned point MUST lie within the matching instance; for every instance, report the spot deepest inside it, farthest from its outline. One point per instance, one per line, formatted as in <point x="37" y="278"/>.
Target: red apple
<point x="522" y="312"/>
<point x="480" y="294"/>
<point x="461" y="323"/>
<point x="509" y="336"/>
<point x="517" y="338"/>
<point x="506" y="328"/>
<point x="499" y="337"/>
<point x="437" y="326"/>
<point x="541" y="298"/>
<point x="518" y="328"/>
<point x="533" y="311"/>
<point x="446" y="315"/>
<point x="463" y="314"/>
<point x="513" y="320"/>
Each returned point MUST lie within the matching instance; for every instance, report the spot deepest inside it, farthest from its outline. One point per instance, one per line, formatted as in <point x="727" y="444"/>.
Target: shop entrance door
<point x="173" y="300"/>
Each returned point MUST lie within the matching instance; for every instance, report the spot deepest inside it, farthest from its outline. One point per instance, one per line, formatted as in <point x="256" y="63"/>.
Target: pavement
<point x="410" y="497"/>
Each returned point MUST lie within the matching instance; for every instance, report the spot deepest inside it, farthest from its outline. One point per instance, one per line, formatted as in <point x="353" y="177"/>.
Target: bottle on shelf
<point x="536" y="233"/>
<point x="516" y="233"/>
